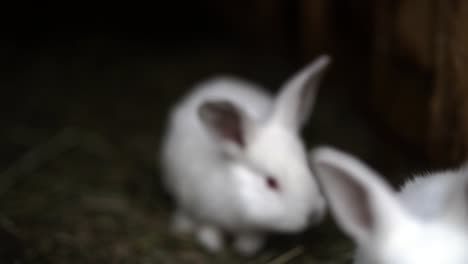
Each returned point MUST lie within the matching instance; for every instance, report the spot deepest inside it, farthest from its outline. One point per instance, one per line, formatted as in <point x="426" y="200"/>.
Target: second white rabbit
<point x="426" y="222"/>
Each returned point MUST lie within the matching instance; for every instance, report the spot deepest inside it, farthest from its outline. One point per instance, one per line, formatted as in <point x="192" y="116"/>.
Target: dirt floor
<point x="79" y="182"/>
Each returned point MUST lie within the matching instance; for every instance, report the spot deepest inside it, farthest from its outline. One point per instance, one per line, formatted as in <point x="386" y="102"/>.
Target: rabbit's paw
<point x="211" y="238"/>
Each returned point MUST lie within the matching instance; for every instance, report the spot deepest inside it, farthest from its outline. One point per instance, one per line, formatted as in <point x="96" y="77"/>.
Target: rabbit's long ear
<point x="363" y="205"/>
<point x="226" y="121"/>
<point x="296" y="98"/>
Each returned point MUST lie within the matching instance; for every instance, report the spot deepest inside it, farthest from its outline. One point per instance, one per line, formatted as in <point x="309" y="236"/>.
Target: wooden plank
<point x="415" y="25"/>
<point x="402" y="75"/>
<point x="449" y="110"/>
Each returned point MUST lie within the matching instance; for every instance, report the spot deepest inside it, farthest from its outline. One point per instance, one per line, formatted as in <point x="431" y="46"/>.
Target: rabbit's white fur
<point x="234" y="162"/>
<point x="426" y="222"/>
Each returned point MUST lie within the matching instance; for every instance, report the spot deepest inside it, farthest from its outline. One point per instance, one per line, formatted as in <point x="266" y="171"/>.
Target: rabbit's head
<point x="267" y="159"/>
<point x="370" y="212"/>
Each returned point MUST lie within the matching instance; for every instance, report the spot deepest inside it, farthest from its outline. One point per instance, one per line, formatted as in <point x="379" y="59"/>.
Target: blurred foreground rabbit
<point x="425" y="223"/>
<point x="234" y="162"/>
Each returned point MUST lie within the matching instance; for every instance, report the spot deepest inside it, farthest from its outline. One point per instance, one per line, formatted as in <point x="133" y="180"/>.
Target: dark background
<point x="86" y="88"/>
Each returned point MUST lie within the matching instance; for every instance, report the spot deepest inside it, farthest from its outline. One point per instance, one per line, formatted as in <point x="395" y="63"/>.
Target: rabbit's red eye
<point x="272" y="183"/>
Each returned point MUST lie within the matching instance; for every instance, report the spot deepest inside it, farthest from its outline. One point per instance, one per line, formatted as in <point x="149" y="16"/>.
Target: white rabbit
<point x="425" y="223"/>
<point x="234" y="162"/>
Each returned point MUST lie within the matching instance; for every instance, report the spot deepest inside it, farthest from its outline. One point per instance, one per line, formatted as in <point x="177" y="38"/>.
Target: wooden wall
<point x="449" y="102"/>
<point x="421" y="76"/>
<point x="418" y="51"/>
<point x="402" y="68"/>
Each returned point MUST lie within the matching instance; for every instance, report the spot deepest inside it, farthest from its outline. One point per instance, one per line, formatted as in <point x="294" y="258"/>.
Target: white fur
<point x="423" y="223"/>
<point x="220" y="186"/>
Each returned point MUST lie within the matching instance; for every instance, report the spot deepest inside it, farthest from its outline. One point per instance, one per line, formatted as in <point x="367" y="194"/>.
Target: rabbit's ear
<point x="296" y="98"/>
<point x="226" y="121"/>
<point x="363" y="205"/>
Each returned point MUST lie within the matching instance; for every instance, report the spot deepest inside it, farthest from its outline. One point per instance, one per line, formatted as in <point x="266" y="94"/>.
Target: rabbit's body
<point x="424" y="195"/>
<point x="233" y="160"/>
<point x="425" y="222"/>
<point x="189" y="182"/>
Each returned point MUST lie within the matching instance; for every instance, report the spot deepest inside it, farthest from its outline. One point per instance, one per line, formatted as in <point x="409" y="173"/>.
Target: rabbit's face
<point x="277" y="188"/>
<point x="266" y="157"/>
